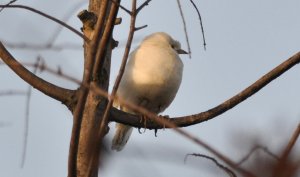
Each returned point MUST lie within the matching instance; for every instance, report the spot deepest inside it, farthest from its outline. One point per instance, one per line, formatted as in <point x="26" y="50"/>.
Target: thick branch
<point x="135" y="121"/>
<point x="58" y="93"/>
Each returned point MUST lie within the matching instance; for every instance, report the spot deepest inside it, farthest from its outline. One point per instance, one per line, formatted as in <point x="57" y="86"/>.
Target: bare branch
<point x="58" y="93"/>
<point x="283" y="160"/>
<point x="222" y="167"/>
<point x="139" y="28"/>
<point x="67" y="16"/>
<point x="158" y="120"/>
<point x="9" y="3"/>
<point x="122" y="7"/>
<point x="49" y="17"/>
<point x="184" y="121"/>
<point x="200" y="20"/>
<point x="12" y="93"/>
<point x="254" y="149"/>
<point x="95" y="53"/>
<point x="47" y="46"/>
<point x="26" y="125"/>
<point x="292" y="142"/>
<point x="123" y="64"/>
<point x="142" y="6"/>
<point x="184" y="27"/>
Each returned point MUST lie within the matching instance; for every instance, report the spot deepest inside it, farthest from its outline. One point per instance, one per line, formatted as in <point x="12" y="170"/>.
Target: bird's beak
<point x="180" y="51"/>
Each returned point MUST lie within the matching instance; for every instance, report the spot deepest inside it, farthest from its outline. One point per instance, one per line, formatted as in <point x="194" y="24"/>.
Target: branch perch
<point x="135" y="121"/>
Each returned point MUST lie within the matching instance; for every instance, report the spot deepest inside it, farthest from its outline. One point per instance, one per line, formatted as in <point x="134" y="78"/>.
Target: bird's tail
<point x="121" y="137"/>
<point x="122" y="133"/>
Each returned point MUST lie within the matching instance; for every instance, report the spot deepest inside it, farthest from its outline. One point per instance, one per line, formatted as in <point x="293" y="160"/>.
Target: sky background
<point x="245" y="39"/>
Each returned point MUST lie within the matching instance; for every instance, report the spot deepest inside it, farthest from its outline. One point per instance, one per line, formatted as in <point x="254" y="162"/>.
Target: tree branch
<point x="49" y="17"/>
<point x="222" y="167"/>
<point x="122" y="67"/>
<point x="185" y="121"/>
<point x="58" y="93"/>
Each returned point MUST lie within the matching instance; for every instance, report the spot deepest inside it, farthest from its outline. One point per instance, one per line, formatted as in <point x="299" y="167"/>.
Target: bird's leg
<point x="165" y="117"/>
<point x="144" y="121"/>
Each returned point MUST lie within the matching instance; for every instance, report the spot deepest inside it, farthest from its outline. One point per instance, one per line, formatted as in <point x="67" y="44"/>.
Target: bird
<point x="151" y="79"/>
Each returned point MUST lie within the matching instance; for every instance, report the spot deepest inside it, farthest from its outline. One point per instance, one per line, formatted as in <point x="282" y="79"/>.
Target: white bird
<point x="151" y="79"/>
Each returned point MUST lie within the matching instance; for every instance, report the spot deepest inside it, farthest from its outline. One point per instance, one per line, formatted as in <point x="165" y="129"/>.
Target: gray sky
<point x="245" y="39"/>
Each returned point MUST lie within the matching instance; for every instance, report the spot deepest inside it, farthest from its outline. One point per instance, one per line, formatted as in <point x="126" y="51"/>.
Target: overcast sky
<point x="245" y="39"/>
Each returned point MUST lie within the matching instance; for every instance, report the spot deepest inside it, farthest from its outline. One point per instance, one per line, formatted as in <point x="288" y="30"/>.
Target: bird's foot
<point x="144" y="121"/>
<point x="164" y="125"/>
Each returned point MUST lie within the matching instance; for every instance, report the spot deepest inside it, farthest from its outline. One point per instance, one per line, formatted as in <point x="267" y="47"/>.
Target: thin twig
<point x="26" y="124"/>
<point x="9" y="3"/>
<point x="43" y="67"/>
<point x="200" y="20"/>
<point x="254" y="149"/>
<point x="12" y="93"/>
<point x="56" y="92"/>
<point x="184" y="28"/>
<point x="222" y="167"/>
<point x="49" y="17"/>
<point x="122" y="7"/>
<point x="66" y="17"/>
<point x="142" y="6"/>
<point x="140" y="27"/>
<point x="27" y="46"/>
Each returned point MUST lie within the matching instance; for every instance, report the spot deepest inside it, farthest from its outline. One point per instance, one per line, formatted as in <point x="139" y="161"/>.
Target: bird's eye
<point x="172" y="45"/>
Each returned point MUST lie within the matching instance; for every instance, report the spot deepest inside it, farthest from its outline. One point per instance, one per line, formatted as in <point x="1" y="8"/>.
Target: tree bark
<point x="88" y="150"/>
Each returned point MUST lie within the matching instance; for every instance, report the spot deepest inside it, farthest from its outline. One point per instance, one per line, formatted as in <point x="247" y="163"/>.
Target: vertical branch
<point x="97" y="55"/>
<point x="26" y="125"/>
<point x="201" y="24"/>
<point x="184" y="27"/>
<point x="123" y="64"/>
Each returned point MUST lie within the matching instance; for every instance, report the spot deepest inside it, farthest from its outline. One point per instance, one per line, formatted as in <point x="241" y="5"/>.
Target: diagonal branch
<point x="49" y="17"/>
<point x="222" y="167"/>
<point x="185" y="121"/>
<point x="184" y="28"/>
<point x="58" y="93"/>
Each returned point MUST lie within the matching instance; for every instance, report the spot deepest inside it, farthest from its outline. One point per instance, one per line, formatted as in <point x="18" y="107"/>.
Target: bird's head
<point x="165" y="40"/>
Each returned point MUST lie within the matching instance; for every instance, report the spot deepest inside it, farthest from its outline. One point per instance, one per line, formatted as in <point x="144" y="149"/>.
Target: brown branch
<point x="95" y="53"/>
<point x="222" y="167"/>
<point x="58" y="93"/>
<point x="167" y="124"/>
<point x="122" y="67"/>
<point x="49" y="17"/>
<point x="283" y="160"/>
<point x="185" y="121"/>
<point x="184" y="27"/>
<point x="292" y="142"/>
<point x="122" y="7"/>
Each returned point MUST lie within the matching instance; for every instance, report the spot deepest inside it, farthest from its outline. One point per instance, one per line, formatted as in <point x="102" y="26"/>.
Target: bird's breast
<point x="156" y="66"/>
